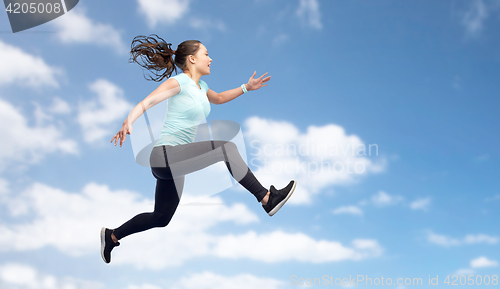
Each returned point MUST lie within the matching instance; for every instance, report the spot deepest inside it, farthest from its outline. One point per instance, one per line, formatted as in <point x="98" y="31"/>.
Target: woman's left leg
<point x="166" y="202"/>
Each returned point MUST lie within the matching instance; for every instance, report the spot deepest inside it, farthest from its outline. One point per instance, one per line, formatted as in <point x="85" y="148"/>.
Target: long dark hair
<point x="157" y="56"/>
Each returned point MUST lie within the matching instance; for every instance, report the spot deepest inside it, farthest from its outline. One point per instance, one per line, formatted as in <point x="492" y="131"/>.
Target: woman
<point x="175" y="154"/>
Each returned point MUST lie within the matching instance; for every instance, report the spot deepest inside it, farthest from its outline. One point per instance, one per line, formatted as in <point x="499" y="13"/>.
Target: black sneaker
<point x="107" y="244"/>
<point x="277" y="198"/>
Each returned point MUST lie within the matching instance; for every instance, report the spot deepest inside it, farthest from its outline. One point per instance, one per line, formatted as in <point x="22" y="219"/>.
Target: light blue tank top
<point x="185" y="111"/>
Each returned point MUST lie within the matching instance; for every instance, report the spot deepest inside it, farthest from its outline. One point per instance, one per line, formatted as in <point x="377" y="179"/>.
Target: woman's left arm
<point x="228" y="95"/>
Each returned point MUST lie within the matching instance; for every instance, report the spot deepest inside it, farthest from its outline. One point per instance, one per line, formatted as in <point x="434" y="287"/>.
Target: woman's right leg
<point x="184" y="159"/>
<point x="188" y="158"/>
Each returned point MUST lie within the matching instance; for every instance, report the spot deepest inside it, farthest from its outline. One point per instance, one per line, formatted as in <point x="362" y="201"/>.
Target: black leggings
<point x="169" y="165"/>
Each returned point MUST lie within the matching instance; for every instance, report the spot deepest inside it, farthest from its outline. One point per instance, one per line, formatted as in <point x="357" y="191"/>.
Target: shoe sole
<point x="276" y="209"/>
<point x="103" y="243"/>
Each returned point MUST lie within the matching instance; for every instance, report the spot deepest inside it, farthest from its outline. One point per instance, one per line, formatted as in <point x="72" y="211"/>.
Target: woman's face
<point x="203" y="61"/>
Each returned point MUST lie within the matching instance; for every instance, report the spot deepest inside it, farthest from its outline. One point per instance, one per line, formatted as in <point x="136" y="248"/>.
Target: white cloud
<point x="163" y="11"/>
<point x="474" y="18"/>
<point x="482" y="262"/>
<point x="49" y="217"/>
<point x="76" y="27"/>
<point x="59" y="106"/>
<point x="47" y="114"/>
<point x="25" y="69"/>
<point x="280" y="246"/>
<point x="100" y="116"/>
<point x="18" y="139"/>
<point x="143" y="286"/>
<point x="464" y="271"/>
<point x="309" y="13"/>
<point x="56" y="213"/>
<point x="168" y="12"/>
<point x="4" y="187"/>
<point x="20" y="276"/>
<point x="41" y="117"/>
<point x="421" y="204"/>
<point x="446" y="241"/>
<point x="209" y="280"/>
<point x="353" y="210"/>
<point x="480" y="238"/>
<point x="206" y="23"/>
<point x="321" y="157"/>
<point x="384" y="199"/>
<point x="442" y="240"/>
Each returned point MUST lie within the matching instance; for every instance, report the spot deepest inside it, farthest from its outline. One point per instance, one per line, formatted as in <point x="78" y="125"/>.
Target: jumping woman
<point x="175" y="153"/>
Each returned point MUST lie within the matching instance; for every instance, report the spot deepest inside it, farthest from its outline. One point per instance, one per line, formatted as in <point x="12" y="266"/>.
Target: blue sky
<point x="418" y="80"/>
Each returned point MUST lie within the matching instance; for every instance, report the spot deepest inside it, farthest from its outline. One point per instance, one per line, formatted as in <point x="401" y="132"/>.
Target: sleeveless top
<point x="185" y="111"/>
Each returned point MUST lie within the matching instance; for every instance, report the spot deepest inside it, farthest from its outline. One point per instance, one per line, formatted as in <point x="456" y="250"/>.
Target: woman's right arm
<point x="167" y="89"/>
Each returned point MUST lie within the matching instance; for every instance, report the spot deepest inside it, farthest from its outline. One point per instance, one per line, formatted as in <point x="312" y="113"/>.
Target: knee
<point x="161" y="219"/>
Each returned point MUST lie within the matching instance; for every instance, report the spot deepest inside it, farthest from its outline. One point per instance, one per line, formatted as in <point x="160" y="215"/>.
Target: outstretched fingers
<point x="117" y="137"/>
<point x="264" y="80"/>
<point x="256" y="83"/>
<point x="252" y="77"/>
<point x="124" y="136"/>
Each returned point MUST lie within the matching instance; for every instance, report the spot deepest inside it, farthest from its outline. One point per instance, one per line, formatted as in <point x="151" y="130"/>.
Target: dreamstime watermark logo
<point x="312" y="157"/>
<point x="26" y="14"/>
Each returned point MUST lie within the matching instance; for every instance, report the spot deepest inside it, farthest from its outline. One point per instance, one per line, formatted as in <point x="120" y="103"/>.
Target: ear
<point x="191" y="59"/>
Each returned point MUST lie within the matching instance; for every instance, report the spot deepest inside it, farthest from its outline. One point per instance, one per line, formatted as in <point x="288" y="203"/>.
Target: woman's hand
<point x="122" y="134"/>
<point x="256" y="83"/>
